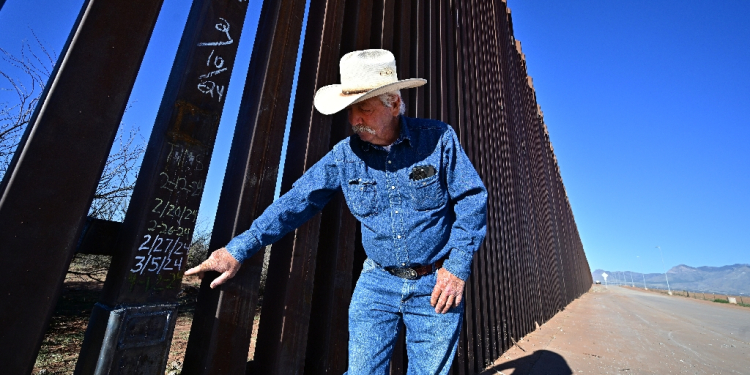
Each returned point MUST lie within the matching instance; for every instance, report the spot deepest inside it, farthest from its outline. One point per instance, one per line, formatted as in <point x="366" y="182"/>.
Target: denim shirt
<point x="419" y="202"/>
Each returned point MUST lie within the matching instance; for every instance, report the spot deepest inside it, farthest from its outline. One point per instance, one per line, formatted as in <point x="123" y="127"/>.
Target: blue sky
<point x="644" y="101"/>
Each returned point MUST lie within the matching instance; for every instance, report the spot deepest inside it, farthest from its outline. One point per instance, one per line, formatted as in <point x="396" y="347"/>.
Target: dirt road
<point x="620" y="330"/>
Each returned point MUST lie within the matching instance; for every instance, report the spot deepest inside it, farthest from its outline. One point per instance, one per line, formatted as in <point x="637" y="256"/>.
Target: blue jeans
<point x="379" y="303"/>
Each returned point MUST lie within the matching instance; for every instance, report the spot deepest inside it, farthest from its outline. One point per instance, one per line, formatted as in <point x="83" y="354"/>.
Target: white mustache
<point x="362" y="128"/>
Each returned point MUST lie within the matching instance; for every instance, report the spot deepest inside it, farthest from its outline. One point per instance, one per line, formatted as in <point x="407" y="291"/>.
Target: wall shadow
<point x="541" y="362"/>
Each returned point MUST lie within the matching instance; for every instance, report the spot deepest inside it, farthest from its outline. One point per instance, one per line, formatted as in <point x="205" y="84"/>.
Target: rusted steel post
<point x="448" y="103"/>
<point x="356" y="34"/>
<point x="542" y="227"/>
<point x="465" y="352"/>
<point x="448" y="114"/>
<point x="472" y="137"/>
<point x="534" y="133"/>
<point x="432" y="41"/>
<point x="50" y="184"/>
<point x="521" y="197"/>
<point x="490" y="119"/>
<point x="222" y="325"/>
<point x="495" y="208"/>
<point x="328" y="337"/>
<point x="506" y="230"/>
<point x="417" y="98"/>
<point x="388" y="24"/>
<point x="477" y="126"/>
<point x="517" y="79"/>
<point x="402" y="43"/>
<point x="326" y="342"/>
<point x="498" y="124"/>
<point x="555" y="246"/>
<point x="381" y="31"/>
<point x="465" y="132"/>
<point x="283" y="334"/>
<point x="508" y="107"/>
<point x="131" y="327"/>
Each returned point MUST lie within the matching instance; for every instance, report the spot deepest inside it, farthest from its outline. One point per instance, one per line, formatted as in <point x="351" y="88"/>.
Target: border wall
<point x="530" y="266"/>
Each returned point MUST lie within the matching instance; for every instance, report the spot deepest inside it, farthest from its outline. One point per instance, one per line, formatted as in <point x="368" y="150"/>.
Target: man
<point x="422" y="208"/>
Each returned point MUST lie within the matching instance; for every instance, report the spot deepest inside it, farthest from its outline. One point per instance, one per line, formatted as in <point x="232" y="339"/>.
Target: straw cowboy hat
<point x="364" y="75"/>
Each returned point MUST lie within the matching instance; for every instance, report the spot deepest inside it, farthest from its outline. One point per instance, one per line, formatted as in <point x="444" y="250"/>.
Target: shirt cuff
<point x="459" y="263"/>
<point x="243" y="246"/>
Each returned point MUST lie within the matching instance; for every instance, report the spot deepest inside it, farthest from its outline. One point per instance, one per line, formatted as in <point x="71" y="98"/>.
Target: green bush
<point x="721" y="300"/>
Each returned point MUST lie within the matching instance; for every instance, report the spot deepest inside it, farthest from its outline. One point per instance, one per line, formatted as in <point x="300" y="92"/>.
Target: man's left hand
<point x="448" y="292"/>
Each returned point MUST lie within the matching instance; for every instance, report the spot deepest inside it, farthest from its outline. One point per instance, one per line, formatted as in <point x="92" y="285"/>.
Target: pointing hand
<point x="219" y="261"/>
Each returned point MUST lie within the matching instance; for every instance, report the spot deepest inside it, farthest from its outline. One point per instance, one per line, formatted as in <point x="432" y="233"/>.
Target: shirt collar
<point x="404" y="135"/>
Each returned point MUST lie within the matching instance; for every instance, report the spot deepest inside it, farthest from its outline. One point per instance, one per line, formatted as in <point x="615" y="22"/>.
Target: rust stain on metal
<point x="192" y="125"/>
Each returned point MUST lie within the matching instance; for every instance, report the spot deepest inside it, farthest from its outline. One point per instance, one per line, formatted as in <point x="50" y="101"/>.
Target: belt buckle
<point x="405" y="273"/>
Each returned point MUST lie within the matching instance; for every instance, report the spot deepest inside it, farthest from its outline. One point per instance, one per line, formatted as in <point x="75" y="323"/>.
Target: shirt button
<point x="403" y="264"/>
<point x="393" y="187"/>
<point x="396" y="211"/>
<point x="389" y="162"/>
<point x="399" y="236"/>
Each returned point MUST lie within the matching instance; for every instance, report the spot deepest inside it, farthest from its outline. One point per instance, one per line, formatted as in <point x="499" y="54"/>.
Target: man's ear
<point x="396" y="106"/>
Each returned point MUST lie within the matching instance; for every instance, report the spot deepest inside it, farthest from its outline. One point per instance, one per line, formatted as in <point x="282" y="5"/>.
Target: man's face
<point x="374" y="122"/>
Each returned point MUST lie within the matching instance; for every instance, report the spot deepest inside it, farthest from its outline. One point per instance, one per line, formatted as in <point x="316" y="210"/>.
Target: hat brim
<point x="329" y="99"/>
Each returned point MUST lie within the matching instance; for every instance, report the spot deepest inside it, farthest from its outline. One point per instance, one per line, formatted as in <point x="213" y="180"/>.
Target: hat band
<point x="353" y="92"/>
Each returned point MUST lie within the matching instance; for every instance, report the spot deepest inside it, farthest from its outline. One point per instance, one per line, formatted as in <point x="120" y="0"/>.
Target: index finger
<point x="195" y="270"/>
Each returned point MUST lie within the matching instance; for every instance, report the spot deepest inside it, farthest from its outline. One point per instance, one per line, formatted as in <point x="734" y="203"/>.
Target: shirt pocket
<point x="428" y="193"/>
<point x="363" y="194"/>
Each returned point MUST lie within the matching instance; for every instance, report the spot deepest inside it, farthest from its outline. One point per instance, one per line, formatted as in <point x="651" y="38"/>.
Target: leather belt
<point x="413" y="273"/>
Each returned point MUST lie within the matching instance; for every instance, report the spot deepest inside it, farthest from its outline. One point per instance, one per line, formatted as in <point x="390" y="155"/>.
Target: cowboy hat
<point x="364" y="75"/>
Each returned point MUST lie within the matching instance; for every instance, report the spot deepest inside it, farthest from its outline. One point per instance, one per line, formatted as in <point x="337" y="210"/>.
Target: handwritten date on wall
<point x="207" y="83"/>
<point x="170" y="220"/>
<point x="171" y="215"/>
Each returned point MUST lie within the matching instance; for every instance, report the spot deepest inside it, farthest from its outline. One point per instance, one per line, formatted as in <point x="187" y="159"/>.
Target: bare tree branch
<point x="25" y="76"/>
<point x="16" y="115"/>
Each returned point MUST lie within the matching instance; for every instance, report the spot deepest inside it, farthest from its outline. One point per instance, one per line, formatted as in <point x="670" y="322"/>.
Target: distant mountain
<point x="734" y="279"/>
